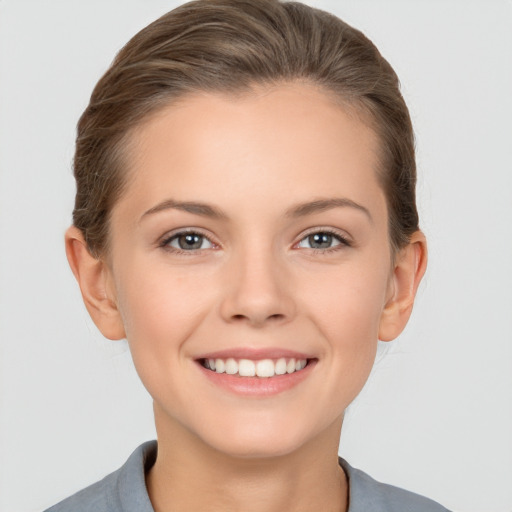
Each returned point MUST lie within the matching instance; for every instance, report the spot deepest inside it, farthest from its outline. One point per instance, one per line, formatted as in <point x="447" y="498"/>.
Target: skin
<point x="256" y="282"/>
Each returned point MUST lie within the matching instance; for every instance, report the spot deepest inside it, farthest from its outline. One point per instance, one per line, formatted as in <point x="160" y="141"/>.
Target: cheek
<point x="347" y="309"/>
<point x="160" y="310"/>
<point x="349" y="299"/>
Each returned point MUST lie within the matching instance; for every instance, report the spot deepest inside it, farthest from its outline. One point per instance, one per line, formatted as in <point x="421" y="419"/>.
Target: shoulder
<point x="123" y="490"/>
<point x="368" y="495"/>
<point x="97" y="497"/>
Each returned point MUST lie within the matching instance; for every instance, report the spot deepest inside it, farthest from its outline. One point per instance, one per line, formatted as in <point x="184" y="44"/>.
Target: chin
<point x="256" y="449"/>
<point x="258" y="441"/>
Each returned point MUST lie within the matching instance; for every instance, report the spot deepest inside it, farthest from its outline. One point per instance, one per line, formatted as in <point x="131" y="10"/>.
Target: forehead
<point x="292" y="138"/>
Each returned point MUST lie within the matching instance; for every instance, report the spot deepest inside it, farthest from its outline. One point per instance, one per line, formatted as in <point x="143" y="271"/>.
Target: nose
<point x="258" y="291"/>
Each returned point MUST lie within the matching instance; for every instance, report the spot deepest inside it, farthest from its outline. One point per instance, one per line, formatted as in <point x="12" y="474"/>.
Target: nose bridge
<point x="258" y="290"/>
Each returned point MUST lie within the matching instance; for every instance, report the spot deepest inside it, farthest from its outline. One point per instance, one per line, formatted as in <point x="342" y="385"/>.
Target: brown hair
<point x="231" y="45"/>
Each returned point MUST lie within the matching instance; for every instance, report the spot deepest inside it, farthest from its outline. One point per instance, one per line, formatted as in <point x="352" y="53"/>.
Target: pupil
<point x="190" y="241"/>
<point x="320" y="240"/>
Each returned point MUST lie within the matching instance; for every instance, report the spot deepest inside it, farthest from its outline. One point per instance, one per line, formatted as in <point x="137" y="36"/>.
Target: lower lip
<point x="258" y="386"/>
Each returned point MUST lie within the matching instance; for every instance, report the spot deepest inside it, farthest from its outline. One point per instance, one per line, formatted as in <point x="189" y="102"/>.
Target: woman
<point x="245" y="216"/>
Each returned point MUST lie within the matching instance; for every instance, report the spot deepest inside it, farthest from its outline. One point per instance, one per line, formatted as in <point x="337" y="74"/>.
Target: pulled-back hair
<point x="230" y="46"/>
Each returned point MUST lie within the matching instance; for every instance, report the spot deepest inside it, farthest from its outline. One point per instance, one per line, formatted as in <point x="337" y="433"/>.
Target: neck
<point x="190" y="475"/>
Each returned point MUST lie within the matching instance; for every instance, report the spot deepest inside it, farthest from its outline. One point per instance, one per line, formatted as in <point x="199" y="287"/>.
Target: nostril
<point x="274" y="317"/>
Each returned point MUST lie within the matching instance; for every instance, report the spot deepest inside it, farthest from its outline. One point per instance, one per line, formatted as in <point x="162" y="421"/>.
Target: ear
<point x="96" y="284"/>
<point x="408" y="270"/>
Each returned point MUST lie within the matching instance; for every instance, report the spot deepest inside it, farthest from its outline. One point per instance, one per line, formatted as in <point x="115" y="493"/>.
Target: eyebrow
<point x="300" y="210"/>
<point x="321" y="205"/>
<point x="193" y="207"/>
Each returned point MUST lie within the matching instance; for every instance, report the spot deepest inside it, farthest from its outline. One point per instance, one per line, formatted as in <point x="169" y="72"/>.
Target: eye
<point x="322" y="240"/>
<point x="188" y="241"/>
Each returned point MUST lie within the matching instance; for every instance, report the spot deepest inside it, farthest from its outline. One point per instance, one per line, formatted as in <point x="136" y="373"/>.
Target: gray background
<point x="436" y="415"/>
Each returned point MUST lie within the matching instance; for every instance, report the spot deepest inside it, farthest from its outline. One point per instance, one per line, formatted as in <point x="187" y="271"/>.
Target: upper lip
<point x="255" y="354"/>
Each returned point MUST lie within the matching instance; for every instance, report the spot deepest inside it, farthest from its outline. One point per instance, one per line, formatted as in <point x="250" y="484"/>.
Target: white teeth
<point x="280" y="366"/>
<point x="231" y="366"/>
<point x="265" y="368"/>
<point x="262" y="368"/>
<point x="246" y="368"/>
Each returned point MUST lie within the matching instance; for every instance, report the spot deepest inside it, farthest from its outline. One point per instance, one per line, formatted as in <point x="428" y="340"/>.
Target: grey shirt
<point x="125" y="491"/>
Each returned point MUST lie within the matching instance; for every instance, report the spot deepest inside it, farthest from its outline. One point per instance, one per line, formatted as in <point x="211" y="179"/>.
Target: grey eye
<point x="189" y="242"/>
<point x="320" y="240"/>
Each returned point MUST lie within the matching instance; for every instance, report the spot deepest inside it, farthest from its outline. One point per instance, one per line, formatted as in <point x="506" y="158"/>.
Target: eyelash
<point x="343" y="241"/>
<point x="164" y="244"/>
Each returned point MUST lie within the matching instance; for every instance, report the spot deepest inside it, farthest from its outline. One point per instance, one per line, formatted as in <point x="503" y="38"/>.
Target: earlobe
<point x="409" y="268"/>
<point x="95" y="281"/>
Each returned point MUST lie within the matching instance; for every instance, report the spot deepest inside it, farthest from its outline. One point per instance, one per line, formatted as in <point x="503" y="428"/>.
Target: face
<point x="253" y="237"/>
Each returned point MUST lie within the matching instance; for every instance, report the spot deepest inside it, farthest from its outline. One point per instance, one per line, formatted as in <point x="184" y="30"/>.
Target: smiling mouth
<point x="264" y="368"/>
